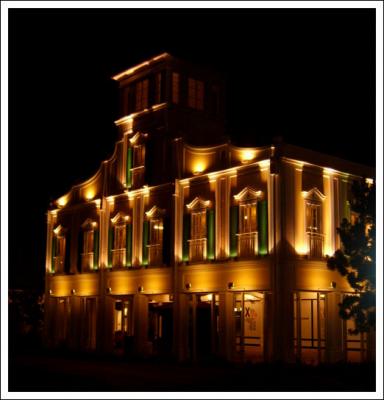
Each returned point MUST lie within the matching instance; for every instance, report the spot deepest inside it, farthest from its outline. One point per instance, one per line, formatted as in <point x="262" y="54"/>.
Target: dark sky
<point x="306" y="75"/>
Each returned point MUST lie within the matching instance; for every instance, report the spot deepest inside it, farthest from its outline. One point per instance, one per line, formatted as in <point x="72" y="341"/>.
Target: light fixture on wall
<point x="73" y="291"/>
<point x="50" y="291"/>
<point x="231" y="285"/>
<point x="140" y="289"/>
<point x="188" y="285"/>
<point x="333" y="285"/>
<point x="108" y="290"/>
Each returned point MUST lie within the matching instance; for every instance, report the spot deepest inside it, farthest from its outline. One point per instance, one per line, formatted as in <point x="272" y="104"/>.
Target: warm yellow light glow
<point x="369" y="181"/>
<point x="126" y="218"/>
<point x="94" y="224"/>
<point x="98" y="203"/>
<point x="301" y="249"/>
<point x="248" y="155"/>
<point x="57" y="230"/>
<point x="207" y="297"/>
<point x="197" y="202"/>
<point x="90" y="194"/>
<point x="264" y="164"/>
<point x="146" y="190"/>
<point x="248" y="193"/>
<point x="62" y="201"/>
<point x="110" y="199"/>
<point x="329" y="171"/>
<point x="198" y="168"/>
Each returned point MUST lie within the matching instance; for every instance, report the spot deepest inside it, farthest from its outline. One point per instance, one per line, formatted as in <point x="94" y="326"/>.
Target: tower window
<point x="158" y="88"/>
<point x="175" y="87"/>
<point x="142" y="95"/>
<point x="195" y="94"/>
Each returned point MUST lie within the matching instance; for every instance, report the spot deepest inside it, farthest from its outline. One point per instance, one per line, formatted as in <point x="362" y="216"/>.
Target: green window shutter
<point x="79" y="249"/>
<point x="53" y="244"/>
<point x="67" y="261"/>
<point x="211" y="234"/>
<point x="186" y="235"/>
<point x="96" y="246"/>
<point x="234" y="230"/>
<point x="111" y="235"/>
<point x="145" y="242"/>
<point x="128" y="238"/>
<point x="262" y="216"/>
<point x="129" y="166"/>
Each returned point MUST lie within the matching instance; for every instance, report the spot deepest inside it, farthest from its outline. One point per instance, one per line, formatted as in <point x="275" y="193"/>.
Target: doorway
<point x="203" y="325"/>
<point x="249" y="326"/>
<point x="160" y="324"/>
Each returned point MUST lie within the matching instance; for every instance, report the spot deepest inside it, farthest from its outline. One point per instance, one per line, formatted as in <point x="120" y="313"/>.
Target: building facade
<point x="184" y="245"/>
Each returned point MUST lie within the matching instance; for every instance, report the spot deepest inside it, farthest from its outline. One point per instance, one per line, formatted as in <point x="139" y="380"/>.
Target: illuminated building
<point x="184" y="244"/>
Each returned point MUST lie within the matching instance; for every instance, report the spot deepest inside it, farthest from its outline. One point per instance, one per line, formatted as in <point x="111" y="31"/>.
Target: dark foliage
<point x="357" y="258"/>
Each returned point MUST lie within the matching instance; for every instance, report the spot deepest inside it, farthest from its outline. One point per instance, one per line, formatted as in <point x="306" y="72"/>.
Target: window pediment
<point x="248" y="194"/>
<point x="155" y="212"/>
<point x="59" y="230"/>
<point x="88" y="224"/>
<point x="198" y="203"/>
<point x="314" y="195"/>
<point x="119" y="218"/>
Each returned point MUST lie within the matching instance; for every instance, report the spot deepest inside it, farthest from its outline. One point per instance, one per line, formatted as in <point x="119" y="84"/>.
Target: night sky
<point x="305" y="75"/>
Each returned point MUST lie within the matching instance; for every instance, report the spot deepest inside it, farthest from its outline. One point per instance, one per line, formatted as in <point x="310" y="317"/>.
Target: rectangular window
<point x="175" y="87"/>
<point x="191" y="93"/>
<point x="142" y="95"/>
<point x="247" y="242"/>
<point x="88" y="242"/>
<point x="198" y="225"/>
<point x="309" y="328"/>
<point x="195" y="94"/>
<point x="60" y="254"/>
<point x="118" y="253"/>
<point x="215" y="100"/>
<point x="314" y="229"/>
<point x="248" y="218"/>
<point x="87" y="261"/>
<point x="156" y="242"/>
<point x="158" y="88"/>
<point x="139" y="155"/>
<point x="198" y="241"/>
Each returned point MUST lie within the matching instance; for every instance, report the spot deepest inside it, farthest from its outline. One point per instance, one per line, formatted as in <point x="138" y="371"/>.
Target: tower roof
<point x="141" y="66"/>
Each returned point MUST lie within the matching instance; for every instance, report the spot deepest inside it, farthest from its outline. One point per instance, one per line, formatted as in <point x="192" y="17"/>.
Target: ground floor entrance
<point x="203" y="323"/>
<point x="249" y="326"/>
<point x="160" y="325"/>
